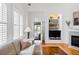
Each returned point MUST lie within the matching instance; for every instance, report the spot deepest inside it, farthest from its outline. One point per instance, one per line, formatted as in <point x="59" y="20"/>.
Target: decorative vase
<point x="68" y="23"/>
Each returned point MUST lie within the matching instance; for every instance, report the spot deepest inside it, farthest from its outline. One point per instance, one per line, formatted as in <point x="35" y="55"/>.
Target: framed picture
<point x="76" y="18"/>
<point x="75" y="21"/>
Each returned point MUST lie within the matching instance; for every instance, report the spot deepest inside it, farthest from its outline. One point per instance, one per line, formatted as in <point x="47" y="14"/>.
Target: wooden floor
<point x="54" y="49"/>
<point x="60" y="47"/>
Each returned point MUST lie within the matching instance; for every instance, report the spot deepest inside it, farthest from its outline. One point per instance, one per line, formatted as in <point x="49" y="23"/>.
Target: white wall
<point x="67" y="14"/>
<point x="43" y="17"/>
<point x="21" y="10"/>
<point x="35" y="17"/>
<point x="43" y="10"/>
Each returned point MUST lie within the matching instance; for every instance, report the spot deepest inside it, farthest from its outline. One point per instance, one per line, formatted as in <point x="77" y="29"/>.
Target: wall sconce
<point x="54" y="16"/>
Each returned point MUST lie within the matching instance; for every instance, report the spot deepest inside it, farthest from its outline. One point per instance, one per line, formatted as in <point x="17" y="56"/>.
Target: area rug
<point x="37" y="50"/>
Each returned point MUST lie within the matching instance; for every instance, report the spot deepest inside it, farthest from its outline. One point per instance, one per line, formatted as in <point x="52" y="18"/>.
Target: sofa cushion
<point x="17" y="47"/>
<point x="7" y="49"/>
<point x="27" y="51"/>
<point x="25" y="45"/>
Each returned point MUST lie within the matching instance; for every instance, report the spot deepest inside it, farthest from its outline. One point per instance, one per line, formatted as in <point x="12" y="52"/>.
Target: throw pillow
<point x="25" y="45"/>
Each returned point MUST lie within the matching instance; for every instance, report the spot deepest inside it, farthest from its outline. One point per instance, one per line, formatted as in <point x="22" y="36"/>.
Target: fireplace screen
<point x="75" y="41"/>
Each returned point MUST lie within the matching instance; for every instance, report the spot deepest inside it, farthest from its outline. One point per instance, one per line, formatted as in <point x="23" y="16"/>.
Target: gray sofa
<point x="14" y="48"/>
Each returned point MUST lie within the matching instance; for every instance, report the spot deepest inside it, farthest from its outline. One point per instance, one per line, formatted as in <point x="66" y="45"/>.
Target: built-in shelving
<point x="53" y="24"/>
<point x="54" y="32"/>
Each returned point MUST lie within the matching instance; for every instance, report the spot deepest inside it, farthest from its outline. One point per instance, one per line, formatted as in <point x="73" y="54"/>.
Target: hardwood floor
<point x="54" y="49"/>
<point x="58" y="48"/>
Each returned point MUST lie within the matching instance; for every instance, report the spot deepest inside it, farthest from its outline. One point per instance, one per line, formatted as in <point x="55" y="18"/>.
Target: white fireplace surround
<point x="74" y="33"/>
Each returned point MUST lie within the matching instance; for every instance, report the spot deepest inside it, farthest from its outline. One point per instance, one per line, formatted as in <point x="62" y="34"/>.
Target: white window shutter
<point x="3" y="23"/>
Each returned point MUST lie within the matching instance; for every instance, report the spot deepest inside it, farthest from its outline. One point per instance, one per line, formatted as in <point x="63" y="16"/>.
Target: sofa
<point x="16" y="48"/>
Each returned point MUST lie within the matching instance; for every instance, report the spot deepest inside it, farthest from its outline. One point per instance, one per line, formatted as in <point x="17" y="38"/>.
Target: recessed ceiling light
<point x="29" y="4"/>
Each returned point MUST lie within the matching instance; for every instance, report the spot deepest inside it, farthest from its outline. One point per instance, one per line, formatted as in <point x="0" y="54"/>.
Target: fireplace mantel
<point x="73" y="30"/>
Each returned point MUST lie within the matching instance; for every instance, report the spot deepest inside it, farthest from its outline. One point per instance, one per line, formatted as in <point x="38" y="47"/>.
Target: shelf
<point x="53" y="24"/>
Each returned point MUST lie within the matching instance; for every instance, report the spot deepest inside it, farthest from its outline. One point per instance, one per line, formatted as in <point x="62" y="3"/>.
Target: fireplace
<point x="75" y="41"/>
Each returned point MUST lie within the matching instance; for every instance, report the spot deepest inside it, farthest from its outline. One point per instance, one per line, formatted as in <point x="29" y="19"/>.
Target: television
<point x="54" y="33"/>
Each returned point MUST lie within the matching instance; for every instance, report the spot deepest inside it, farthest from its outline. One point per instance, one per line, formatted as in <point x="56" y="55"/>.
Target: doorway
<point x="37" y="32"/>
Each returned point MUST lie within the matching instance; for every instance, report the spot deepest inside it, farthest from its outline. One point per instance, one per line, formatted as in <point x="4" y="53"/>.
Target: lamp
<point x="28" y="31"/>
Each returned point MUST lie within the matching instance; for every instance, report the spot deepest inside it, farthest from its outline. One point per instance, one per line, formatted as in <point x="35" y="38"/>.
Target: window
<point x="3" y="23"/>
<point x="18" y="25"/>
<point x="21" y="25"/>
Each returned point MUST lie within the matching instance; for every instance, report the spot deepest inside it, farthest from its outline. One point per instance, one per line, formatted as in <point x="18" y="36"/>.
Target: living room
<point x="50" y="28"/>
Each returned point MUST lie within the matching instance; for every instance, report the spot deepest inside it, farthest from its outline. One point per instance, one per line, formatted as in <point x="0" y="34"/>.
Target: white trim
<point x="76" y="33"/>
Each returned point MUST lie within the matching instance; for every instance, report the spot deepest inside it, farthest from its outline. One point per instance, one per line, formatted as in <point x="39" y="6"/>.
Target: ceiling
<point x="45" y="6"/>
<point x="49" y="6"/>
